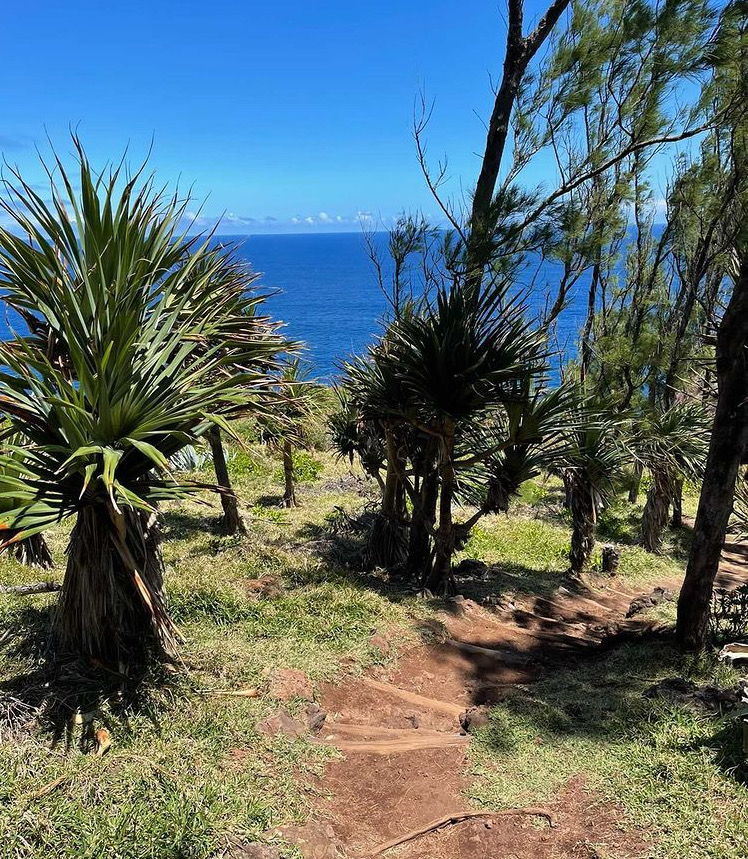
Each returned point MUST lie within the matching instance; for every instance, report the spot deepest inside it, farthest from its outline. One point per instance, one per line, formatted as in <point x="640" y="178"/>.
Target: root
<point x="450" y="820"/>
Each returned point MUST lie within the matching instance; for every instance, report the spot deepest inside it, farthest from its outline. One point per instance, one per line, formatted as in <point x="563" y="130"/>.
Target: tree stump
<point x="611" y="560"/>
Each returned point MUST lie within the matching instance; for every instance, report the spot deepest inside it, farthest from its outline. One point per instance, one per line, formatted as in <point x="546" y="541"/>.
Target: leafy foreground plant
<point x="132" y="326"/>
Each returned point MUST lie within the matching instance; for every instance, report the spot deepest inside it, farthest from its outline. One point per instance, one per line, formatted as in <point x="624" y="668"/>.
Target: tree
<point x="589" y="463"/>
<point x="729" y="436"/>
<point x="672" y="445"/>
<point x="433" y="383"/>
<point x="286" y="426"/>
<point x="246" y="321"/>
<point x="132" y="303"/>
<point x="486" y="342"/>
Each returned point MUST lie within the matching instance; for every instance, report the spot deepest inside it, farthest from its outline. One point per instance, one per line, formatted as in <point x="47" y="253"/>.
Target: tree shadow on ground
<point x="341" y="544"/>
<point x="275" y="501"/>
<point x="66" y="698"/>
<point x="608" y="694"/>
<point x="725" y="744"/>
<point x="178" y="525"/>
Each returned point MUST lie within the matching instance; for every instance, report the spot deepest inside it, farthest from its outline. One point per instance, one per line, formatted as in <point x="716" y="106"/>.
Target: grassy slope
<point x="189" y="770"/>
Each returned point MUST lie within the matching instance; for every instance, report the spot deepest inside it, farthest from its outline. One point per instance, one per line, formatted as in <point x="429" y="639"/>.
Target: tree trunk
<point x="111" y="605"/>
<point x="387" y="543"/>
<point x="289" y="496"/>
<point x="231" y="522"/>
<point x="567" y="480"/>
<point x="422" y="523"/>
<point x="33" y="552"/>
<point x="677" y="519"/>
<point x="586" y="350"/>
<point x="519" y="51"/>
<point x="654" y="518"/>
<point x="439" y="580"/>
<point x="726" y="450"/>
<point x="391" y="479"/>
<point x="584" y="523"/>
<point x="634" y="488"/>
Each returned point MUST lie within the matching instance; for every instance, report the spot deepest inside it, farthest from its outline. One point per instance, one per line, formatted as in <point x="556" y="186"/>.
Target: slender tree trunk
<point x="439" y="579"/>
<point x="519" y="51"/>
<point x="654" y="517"/>
<point x="33" y="552"/>
<point x="586" y="351"/>
<point x="677" y="518"/>
<point x="584" y="524"/>
<point x="634" y="488"/>
<point x="111" y="605"/>
<point x="726" y="450"/>
<point x="232" y="522"/>
<point x="289" y="496"/>
<point x="422" y="523"/>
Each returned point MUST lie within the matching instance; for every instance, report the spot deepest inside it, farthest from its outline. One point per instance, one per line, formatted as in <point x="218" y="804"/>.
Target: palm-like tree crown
<point x="140" y="339"/>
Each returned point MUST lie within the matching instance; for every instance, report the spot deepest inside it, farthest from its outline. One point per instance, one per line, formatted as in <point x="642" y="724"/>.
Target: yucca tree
<point x="589" y="465"/>
<point x="670" y="444"/>
<point x="460" y="360"/>
<point x="286" y="426"/>
<point x="247" y="321"/>
<point x="144" y="319"/>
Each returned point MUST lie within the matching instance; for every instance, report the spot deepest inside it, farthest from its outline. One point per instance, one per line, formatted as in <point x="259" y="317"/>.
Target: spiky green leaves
<point x="141" y="338"/>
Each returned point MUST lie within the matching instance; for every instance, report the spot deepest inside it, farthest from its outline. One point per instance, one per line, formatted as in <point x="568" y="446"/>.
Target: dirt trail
<point x="404" y="749"/>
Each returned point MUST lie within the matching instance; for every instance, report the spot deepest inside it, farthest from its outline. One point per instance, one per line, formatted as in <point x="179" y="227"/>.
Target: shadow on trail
<point x="341" y="543"/>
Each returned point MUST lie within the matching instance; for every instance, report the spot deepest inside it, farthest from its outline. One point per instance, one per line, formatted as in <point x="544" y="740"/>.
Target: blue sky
<point x="284" y="115"/>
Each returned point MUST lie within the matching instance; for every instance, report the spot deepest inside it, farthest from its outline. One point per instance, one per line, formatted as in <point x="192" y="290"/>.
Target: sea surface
<point x="329" y="297"/>
<point x="324" y="288"/>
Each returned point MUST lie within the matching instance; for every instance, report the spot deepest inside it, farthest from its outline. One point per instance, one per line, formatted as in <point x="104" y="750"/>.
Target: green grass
<point x="530" y="547"/>
<point x="679" y="774"/>
<point x="188" y="771"/>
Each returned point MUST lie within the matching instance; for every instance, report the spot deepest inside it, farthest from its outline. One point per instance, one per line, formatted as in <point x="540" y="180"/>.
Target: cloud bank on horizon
<point x="231" y="223"/>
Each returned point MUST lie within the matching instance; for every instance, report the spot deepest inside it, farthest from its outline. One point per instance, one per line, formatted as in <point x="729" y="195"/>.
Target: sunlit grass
<point x="190" y="771"/>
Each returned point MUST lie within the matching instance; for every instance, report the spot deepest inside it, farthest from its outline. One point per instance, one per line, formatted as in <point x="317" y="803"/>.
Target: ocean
<point x="329" y="297"/>
<point x="324" y="288"/>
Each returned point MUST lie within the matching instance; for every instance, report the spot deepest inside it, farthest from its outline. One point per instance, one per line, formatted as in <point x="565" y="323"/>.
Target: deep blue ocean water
<point x="330" y="299"/>
<point x="326" y="291"/>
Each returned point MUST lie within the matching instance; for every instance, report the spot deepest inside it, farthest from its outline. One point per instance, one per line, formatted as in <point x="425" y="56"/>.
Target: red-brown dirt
<point x="403" y="749"/>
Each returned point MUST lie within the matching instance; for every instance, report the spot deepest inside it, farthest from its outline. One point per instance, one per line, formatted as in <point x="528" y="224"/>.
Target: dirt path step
<point x="403" y="763"/>
<point x="412" y="698"/>
<point x="365" y="739"/>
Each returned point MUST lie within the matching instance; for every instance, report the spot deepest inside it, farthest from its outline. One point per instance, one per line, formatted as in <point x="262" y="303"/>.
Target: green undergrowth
<point x="188" y="772"/>
<point x="530" y="551"/>
<point x="678" y="773"/>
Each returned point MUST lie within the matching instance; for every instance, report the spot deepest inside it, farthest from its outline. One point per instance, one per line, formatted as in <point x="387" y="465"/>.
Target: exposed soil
<point x="404" y="749"/>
